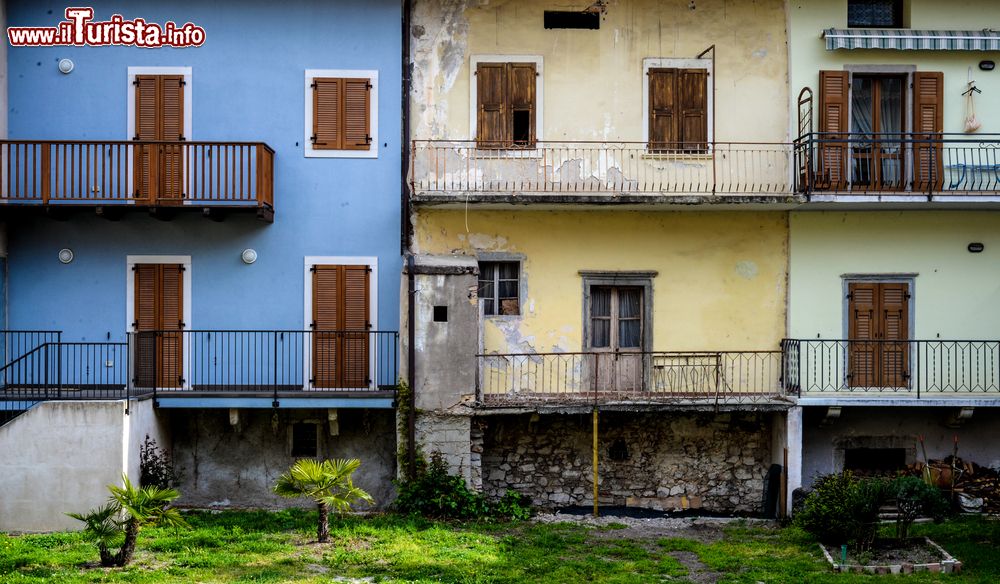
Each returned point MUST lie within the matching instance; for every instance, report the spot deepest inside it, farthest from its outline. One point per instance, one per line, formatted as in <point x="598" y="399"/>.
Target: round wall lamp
<point x="65" y="66"/>
<point x="248" y="256"/>
<point x="65" y="255"/>
<point x="987" y="65"/>
<point x="976" y="247"/>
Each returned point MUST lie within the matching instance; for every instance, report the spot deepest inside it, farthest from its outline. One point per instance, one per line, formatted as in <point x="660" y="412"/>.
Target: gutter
<point x="405" y="241"/>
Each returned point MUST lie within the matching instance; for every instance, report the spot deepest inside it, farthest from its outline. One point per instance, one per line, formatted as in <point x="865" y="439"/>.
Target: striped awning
<point x="906" y="39"/>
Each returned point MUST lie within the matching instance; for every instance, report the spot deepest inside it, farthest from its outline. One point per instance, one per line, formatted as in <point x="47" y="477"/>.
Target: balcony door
<point x="158" y="173"/>
<point x="878" y="352"/>
<point x="341" y="325"/>
<point x="159" y="321"/>
<point x="616" y="336"/>
<point x="878" y="105"/>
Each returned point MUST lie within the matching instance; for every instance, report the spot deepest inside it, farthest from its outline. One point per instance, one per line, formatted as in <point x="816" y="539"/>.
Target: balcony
<point x="899" y="167"/>
<point x="209" y="368"/>
<point x="708" y="378"/>
<point x="111" y="177"/>
<point x="457" y="172"/>
<point x="908" y="370"/>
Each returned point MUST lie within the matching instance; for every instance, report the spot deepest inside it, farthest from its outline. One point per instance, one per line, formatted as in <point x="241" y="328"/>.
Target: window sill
<point x="677" y="156"/>
<point x="499" y="153"/>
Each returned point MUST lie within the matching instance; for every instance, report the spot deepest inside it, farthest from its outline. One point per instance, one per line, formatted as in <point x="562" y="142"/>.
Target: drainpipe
<point x="411" y="430"/>
<point x="405" y="237"/>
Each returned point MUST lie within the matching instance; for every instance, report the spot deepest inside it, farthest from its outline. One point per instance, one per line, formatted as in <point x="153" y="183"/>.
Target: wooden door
<point x="616" y="335"/>
<point x="877" y="125"/>
<point x="341" y="327"/>
<point x="158" y="324"/>
<point x="159" y="115"/>
<point x="878" y="345"/>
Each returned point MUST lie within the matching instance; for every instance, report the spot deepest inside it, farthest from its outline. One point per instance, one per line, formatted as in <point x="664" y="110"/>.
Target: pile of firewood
<point x="973" y="487"/>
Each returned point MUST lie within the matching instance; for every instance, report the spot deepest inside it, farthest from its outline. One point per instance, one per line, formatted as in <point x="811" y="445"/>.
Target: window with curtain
<point x="615" y="317"/>
<point x="877" y="123"/>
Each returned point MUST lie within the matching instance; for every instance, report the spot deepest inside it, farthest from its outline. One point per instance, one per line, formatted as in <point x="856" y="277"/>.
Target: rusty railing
<point x="712" y="376"/>
<point x="622" y="168"/>
<point x="150" y="173"/>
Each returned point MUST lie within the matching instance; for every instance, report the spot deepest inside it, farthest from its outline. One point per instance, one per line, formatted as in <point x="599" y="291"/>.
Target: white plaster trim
<point x="184" y="260"/>
<point x="670" y="63"/>
<point x="307" y="149"/>
<point x="311" y="261"/>
<point x="538" y="60"/>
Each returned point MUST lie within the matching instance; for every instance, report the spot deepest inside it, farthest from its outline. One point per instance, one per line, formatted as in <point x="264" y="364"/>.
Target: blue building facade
<point x="173" y="199"/>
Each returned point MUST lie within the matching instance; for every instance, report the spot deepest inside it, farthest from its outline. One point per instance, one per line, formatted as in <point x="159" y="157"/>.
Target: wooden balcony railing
<point x="141" y="173"/>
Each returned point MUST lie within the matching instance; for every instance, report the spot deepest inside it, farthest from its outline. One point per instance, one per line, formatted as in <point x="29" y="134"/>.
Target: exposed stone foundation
<point x="715" y="462"/>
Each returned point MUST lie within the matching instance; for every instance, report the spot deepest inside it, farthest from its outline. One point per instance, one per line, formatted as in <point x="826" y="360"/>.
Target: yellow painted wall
<point x="956" y="293"/>
<point x="721" y="282"/>
<point x="593" y="79"/>
<point x="808" y="54"/>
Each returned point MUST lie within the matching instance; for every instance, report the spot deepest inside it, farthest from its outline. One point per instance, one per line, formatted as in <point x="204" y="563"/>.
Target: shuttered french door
<point x="159" y="115"/>
<point x="341" y="325"/>
<point x="505" y="95"/>
<point x="878" y="329"/>
<point x="678" y="110"/>
<point x="159" y="320"/>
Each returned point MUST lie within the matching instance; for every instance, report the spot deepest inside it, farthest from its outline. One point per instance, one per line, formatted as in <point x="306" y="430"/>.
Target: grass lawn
<point x="277" y="547"/>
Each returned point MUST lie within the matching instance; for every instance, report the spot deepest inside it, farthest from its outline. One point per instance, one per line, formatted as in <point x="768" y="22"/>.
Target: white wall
<point x="59" y="457"/>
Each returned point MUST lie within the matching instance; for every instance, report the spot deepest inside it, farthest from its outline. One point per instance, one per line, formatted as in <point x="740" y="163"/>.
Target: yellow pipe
<point x="595" y="462"/>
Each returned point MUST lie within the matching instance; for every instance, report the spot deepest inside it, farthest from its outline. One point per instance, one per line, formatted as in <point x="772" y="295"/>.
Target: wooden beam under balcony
<point x="111" y="177"/>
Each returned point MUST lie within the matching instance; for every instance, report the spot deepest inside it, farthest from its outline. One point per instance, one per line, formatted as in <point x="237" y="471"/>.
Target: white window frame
<point x="671" y="63"/>
<point x="185" y="260"/>
<point x="310" y="261"/>
<point x="372" y="76"/>
<point x="538" y="60"/>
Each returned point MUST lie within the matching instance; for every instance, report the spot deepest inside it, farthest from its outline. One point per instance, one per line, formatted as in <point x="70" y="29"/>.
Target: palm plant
<point x="328" y="483"/>
<point x="117" y="523"/>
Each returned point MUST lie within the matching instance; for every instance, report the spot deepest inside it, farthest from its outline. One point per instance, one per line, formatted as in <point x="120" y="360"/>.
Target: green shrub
<point x="844" y="509"/>
<point x="437" y="494"/>
<point x="914" y="498"/>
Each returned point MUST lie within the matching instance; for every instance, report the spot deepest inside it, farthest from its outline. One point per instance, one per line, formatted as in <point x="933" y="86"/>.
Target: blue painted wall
<point x="247" y="82"/>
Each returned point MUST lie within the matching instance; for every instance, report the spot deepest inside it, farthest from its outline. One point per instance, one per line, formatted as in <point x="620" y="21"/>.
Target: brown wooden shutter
<point x="159" y="315"/>
<point x="692" y="93"/>
<point x="894" y="323"/>
<point x="663" y="119"/>
<point x="171" y="120"/>
<point x="356" y="123"/>
<point x="327" y="105"/>
<point x="491" y="119"/>
<point x="834" y="121"/>
<point x="146" y="128"/>
<point x="928" y="123"/>
<point x="341" y="324"/>
<point x="521" y="98"/>
<point x="878" y="329"/>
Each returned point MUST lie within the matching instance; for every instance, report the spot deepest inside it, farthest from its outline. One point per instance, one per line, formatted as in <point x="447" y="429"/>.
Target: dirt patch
<point x="697" y="571"/>
<point x="701" y="529"/>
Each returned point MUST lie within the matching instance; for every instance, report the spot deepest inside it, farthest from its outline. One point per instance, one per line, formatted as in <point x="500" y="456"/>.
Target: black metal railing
<point x="263" y="361"/>
<point x="719" y="376"/>
<point x="912" y="368"/>
<point x="898" y="163"/>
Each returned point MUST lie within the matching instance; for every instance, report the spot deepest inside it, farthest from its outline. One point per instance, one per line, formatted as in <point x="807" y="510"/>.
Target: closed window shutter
<point x="146" y="128"/>
<point x="171" y="129"/>
<point x="327" y="104"/>
<point x="491" y="119"/>
<point x="341" y="325"/>
<point x="692" y="93"/>
<point x="521" y="119"/>
<point x="663" y="121"/>
<point x="928" y="123"/>
<point x="356" y="123"/>
<point x="172" y="314"/>
<point x="863" y="333"/>
<point x="894" y="348"/>
<point x="144" y="289"/>
<point x="833" y="123"/>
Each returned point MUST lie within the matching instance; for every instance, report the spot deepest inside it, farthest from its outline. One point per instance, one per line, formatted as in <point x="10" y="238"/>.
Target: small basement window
<point x="875" y="13"/>
<point x="499" y="288"/>
<point x="873" y="461"/>
<point x="571" y="19"/>
<point x="305" y="439"/>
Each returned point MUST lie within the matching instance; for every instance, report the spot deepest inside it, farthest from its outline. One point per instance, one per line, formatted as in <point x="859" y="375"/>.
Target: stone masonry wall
<point x="665" y="461"/>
